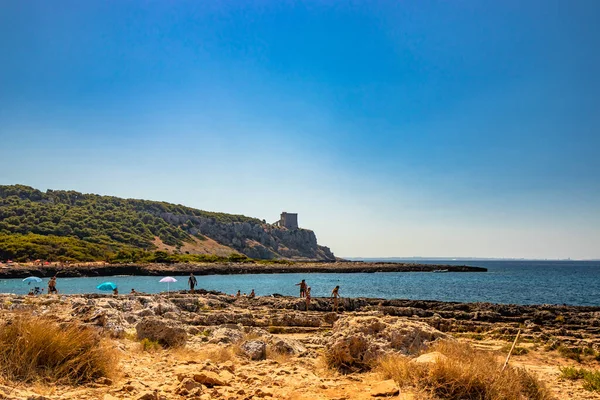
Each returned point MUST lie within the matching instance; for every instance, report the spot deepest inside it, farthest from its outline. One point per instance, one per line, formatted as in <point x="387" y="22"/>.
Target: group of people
<point x="193" y="282"/>
<point x="305" y="293"/>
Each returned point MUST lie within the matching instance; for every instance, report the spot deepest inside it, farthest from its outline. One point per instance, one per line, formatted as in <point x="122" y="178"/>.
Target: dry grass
<point x="37" y="349"/>
<point x="218" y="354"/>
<point x="465" y="374"/>
<point x="281" y="358"/>
<point x="214" y="353"/>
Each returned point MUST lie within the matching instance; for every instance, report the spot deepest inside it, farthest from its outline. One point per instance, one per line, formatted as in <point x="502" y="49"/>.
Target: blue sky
<point x="394" y="128"/>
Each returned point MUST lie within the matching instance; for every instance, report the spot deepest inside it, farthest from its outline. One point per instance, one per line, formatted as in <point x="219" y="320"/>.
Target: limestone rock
<point x="230" y="334"/>
<point x="187" y="385"/>
<point x="210" y="379"/>
<point x="385" y="389"/>
<point x="255" y="349"/>
<point x="288" y="346"/>
<point x="356" y="342"/>
<point x="429" y="358"/>
<point x="166" y="332"/>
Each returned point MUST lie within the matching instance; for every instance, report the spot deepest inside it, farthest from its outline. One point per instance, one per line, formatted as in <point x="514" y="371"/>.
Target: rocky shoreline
<point x="74" y="270"/>
<point x="270" y="347"/>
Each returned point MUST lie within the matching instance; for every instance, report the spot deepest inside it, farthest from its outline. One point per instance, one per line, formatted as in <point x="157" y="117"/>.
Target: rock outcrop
<point x="357" y="342"/>
<point x="162" y="331"/>
<point x="254" y="239"/>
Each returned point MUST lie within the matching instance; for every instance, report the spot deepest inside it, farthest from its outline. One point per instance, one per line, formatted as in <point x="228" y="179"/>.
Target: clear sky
<point x="394" y="128"/>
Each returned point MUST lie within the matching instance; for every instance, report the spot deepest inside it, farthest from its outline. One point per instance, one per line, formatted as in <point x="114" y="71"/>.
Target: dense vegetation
<point x="67" y="225"/>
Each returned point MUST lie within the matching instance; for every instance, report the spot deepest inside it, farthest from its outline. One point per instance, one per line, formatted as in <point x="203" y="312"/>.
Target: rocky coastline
<point x="102" y="269"/>
<point x="269" y="347"/>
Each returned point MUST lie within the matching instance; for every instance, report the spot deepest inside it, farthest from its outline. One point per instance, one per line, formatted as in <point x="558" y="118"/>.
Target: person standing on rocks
<point x="52" y="285"/>
<point x="307" y="294"/>
<point x="192" y="282"/>
<point x="302" y="288"/>
<point x="335" y="294"/>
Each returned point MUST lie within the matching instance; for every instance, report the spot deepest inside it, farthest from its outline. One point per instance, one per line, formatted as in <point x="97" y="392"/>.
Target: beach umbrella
<point x="169" y="280"/>
<point x="32" y="279"/>
<point x="106" y="286"/>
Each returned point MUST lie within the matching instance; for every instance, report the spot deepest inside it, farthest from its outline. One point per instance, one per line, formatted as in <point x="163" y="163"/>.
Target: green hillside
<point x="67" y="225"/>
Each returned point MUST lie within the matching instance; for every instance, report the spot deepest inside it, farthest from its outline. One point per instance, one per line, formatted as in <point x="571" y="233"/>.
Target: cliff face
<point x="256" y="240"/>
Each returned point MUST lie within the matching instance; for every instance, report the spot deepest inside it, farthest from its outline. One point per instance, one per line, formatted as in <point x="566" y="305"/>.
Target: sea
<point x="507" y="281"/>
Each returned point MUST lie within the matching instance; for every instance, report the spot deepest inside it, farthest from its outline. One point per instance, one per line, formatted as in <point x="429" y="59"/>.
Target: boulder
<point x="356" y="343"/>
<point x="288" y="346"/>
<point x="165" y="332"/>
<point x="229" y="334"/>
<point x="254" y="349"/>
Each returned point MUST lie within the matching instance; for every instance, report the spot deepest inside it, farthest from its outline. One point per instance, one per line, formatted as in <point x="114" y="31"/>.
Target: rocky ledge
<point x="75" y="270"/>
<point x="570" y="325"/>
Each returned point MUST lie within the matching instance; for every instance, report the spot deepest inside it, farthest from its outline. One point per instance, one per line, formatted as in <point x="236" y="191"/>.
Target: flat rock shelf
<point x="76" y="270"/>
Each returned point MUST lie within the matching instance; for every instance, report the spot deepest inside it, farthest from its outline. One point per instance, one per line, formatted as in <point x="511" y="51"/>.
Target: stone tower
<point x="289" y="220"/>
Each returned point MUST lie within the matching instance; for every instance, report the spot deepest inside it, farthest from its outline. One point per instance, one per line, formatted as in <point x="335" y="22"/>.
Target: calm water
<point x="520" y="282"/>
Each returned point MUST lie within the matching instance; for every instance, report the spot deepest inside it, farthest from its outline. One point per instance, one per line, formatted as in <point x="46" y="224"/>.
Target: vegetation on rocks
<point x="71" y="226"/>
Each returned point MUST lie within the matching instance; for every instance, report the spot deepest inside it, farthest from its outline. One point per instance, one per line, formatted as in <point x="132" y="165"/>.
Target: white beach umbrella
<point x="168" y="279"/>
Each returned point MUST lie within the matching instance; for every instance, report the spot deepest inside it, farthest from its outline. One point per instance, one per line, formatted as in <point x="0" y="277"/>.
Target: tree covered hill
<point x="74" y="226"/>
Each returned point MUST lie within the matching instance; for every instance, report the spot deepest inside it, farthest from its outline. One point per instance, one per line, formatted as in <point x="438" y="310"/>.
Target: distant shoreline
<point x="23" y="271"/>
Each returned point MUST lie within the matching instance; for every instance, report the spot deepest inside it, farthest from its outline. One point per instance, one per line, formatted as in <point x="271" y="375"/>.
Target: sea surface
<point x="509" y="282"/>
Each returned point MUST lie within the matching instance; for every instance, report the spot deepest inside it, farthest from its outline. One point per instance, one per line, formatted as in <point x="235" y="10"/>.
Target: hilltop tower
<point x="289" y="220"/>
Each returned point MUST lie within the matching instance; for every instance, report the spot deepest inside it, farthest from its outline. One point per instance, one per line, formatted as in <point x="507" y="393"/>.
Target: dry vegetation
<point x="465" y="373"/>
<point x="34" y="349"/>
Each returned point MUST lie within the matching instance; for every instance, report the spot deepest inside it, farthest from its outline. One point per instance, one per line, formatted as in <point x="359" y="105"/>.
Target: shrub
<point x="465" y="373"/>
<point x="517" y="351"/>
<point x="591" y="379"/>
<point x="574" y="353"/>
<point x="33" y="348"/>
<point x="572" y="373"/>
<point x="150" y="345"/>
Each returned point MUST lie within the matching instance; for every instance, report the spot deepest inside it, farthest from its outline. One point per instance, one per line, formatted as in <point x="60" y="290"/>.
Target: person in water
<point x="192" y="282"/>
<point x="335" y="294"/>
<point x="252" y="294"/>
<point x="302" y="288"/>
<point x="307" y="294"/>
<point x="52" y="285"/>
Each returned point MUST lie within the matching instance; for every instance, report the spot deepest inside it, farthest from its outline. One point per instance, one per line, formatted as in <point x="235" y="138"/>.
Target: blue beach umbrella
<point x="32" y="279"/>
<point x="106" y="286"/>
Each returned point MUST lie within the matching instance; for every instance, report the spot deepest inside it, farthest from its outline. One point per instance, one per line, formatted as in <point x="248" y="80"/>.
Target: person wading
<point x="192" y="282"/>
<point x="302" y="288"/>
<point x="52" y="285"/>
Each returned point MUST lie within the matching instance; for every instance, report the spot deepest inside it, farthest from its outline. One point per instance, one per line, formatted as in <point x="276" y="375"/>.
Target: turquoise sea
<point x="518" y="282"/>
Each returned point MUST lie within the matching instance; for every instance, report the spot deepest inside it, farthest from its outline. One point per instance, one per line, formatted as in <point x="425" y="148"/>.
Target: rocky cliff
<point x="254" y="239"/>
